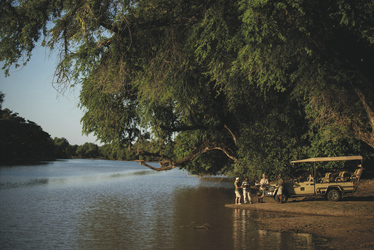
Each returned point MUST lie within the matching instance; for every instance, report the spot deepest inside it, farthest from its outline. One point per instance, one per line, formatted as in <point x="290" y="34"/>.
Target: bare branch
<point x="232" y="134"/>
<point x="168" y="164"/>
<point x="141" y="162"/>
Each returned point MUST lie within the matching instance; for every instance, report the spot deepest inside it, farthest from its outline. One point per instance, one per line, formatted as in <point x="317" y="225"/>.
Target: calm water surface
<point x="99" y="204"/>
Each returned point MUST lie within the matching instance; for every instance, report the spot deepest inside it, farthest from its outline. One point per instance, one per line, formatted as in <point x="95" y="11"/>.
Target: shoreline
<point x="346" y="224"/>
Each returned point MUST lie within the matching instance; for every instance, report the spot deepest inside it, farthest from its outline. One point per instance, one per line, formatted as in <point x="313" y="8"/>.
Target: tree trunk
<point x="366" y="135"/>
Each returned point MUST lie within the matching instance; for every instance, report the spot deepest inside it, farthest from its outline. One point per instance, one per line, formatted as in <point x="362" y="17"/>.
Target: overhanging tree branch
<point x="169" y="164"/>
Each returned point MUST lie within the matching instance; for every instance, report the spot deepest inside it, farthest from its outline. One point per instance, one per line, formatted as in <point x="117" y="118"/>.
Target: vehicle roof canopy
<point x="321" y="159"/>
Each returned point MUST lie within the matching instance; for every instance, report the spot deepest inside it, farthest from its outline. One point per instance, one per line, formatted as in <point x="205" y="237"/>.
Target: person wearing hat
<point x="280" y="188"/>
<point x="237" y="193"/>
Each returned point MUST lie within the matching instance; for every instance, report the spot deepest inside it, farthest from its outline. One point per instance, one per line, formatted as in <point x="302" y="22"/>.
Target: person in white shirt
<point x="238" y="196"/>
<point x="263" y="183"/>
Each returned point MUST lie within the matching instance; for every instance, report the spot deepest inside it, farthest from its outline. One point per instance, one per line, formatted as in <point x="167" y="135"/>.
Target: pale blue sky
<point x="29" y="92"/>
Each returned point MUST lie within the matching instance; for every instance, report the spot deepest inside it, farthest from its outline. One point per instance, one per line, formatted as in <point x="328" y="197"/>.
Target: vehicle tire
<point x="284" y="198"/>
<point x="333" y="195"/>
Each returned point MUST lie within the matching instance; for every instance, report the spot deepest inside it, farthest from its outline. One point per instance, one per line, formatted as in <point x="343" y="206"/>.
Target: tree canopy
<point x="220" y="86"/>
<point x="21" y="139"/>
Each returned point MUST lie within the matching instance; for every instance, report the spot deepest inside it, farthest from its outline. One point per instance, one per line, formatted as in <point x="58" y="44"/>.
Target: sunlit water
<point x="99" y="204"/>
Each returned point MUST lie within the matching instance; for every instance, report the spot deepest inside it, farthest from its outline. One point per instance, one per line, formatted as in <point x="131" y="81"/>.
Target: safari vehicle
<point x="333" y="184"/>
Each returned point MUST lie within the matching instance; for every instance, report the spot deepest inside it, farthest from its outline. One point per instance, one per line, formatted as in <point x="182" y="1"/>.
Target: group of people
<point x="245" y="185"/>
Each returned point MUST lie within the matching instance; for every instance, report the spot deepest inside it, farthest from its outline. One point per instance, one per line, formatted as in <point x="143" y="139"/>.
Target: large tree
<point x="221" y="85"/>
<point x="323" y="50"/>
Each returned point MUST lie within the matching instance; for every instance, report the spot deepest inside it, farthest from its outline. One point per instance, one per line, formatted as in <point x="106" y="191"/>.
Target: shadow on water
<point x="188" y="218"/>
<point x="31" y="183"/>
<point x="205" y="224"/>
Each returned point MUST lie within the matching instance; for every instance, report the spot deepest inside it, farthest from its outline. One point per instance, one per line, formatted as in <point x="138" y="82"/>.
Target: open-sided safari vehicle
<point x="332" y="184"/>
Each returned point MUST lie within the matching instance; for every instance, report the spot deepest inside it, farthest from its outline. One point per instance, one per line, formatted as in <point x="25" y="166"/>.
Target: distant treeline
<point x="23" y="141"/>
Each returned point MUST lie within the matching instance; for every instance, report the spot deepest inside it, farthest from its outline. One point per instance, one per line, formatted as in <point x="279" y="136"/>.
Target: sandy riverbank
<point x="347" y="224"/>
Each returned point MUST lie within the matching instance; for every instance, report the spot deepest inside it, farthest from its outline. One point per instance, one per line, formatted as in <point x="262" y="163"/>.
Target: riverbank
<point x="347" y="224"/>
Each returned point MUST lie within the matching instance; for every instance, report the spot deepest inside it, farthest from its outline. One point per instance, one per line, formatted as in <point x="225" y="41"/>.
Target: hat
<point x="279" y="175"/>
<point x="237" y="178"/>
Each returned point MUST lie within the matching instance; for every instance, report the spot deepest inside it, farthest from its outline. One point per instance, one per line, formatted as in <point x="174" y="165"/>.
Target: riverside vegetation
<point x="215" y="87"/>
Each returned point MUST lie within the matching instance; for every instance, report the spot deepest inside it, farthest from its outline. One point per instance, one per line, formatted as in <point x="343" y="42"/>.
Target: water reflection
<point x="127" y="222"/>
<point x="241" y="231"/>
<point x="247" y="234"/>
<point x="80" y="205"/>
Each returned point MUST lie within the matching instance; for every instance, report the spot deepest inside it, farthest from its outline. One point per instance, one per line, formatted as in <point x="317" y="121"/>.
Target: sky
<point x="29" y="92"/>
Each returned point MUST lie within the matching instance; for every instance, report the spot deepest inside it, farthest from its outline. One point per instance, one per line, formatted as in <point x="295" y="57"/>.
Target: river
<point x="101" y="204"/>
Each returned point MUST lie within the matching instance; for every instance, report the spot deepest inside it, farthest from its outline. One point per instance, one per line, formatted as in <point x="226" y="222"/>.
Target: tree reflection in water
<point x="247" y="235"/>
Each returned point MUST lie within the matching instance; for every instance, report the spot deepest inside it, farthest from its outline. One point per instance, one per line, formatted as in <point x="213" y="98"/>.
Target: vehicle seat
<point x="355" y="175"/>
<point x="326" y="178"/>
<point x="342" y="176"/>
<point x="310" y="178"/>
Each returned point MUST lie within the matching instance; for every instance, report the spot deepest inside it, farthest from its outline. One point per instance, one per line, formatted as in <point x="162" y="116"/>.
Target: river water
<point x="101" y="204"/>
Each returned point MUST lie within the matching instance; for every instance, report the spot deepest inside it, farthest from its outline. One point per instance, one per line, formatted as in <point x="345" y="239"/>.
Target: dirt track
<point x="347" y="224"/>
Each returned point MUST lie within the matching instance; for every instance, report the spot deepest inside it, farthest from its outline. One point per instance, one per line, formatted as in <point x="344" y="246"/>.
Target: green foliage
<point x="22" y="140"/>
<point x="276" y="136"/>
<point x="62" y="148"/>
<point x="338" y="147"/>
<point x="234" y="87"/>
<point x="21" y="26"/>
<point x="73" y="150"/>
<point x="88" y="150"/>
<point x="1" y="99"/>
<point x="322" y="50"/>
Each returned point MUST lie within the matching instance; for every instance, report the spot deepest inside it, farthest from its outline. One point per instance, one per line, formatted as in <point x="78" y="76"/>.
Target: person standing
<point x="237" y="193"/>
<point x="263" y="183"/>
<point x="280" y="188"/>
<point x="247" y="191"/>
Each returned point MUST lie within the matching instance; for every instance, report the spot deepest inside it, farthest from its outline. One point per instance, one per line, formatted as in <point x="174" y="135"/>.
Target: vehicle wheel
<point x="284" y="198"/>
<point x="333" y="195"/>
